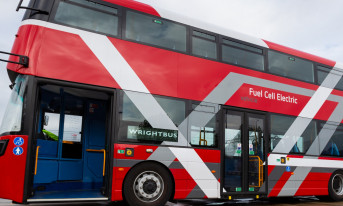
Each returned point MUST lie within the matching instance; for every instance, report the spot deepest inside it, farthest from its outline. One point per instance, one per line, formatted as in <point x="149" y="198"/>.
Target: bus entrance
<point x="245" y="153"/>
<point x="71" y="141"/>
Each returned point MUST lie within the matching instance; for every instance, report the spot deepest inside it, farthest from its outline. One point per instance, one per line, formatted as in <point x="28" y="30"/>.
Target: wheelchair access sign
<point x="18" y="141"/>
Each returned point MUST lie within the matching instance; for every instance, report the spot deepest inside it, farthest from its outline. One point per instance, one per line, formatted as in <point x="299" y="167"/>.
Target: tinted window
<point x="203" y="133"/>
<point x="89" y="16"/>
<point x="204" y="45"/>
<point x="280" y="125"/>
<point x="243" y="46"/>
<point x="135" y="127"/>
<point x="334" y="146"/>
<point x="152" y="30"/>
<point x="322" y="72"/>
<point x="241" y="57"/>
<point x="290" y="66"/>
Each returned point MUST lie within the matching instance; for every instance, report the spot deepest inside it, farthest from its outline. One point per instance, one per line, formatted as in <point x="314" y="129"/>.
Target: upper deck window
<point x="204" y="45"/>
<point x="322" y="72"/>
<point x="155" y="31"/>
<point x="88" y="15"/>
<point x="241" y="54"/>
<point x="290" y="66"/>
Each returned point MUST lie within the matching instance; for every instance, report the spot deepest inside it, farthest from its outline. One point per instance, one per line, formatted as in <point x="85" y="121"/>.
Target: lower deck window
<point x="280" y="124"/>
<point x="136" y="127"/>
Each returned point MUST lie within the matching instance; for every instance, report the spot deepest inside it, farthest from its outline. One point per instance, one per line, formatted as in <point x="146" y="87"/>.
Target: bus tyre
<point x="336" y="186"/>
<point x="147" y="184"/>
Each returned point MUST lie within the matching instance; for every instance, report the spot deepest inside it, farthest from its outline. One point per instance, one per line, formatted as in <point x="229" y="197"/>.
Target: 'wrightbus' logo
<point x="151" y="134"/>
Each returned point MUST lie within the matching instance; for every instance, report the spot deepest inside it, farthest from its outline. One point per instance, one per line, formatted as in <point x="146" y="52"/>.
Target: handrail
<point x="100" y="150"/>
<point x="260" y="170"/>
<point x="23" y="60"/>
<point x="202" y="139"/>
<point x="37" y="151"/>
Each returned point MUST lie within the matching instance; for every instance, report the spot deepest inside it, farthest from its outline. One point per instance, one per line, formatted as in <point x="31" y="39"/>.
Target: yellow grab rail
<point x="260" y="170"/>
<point x="37" y="151"/>
<point x="202" y="139"/>
<point x="100" y="150"/>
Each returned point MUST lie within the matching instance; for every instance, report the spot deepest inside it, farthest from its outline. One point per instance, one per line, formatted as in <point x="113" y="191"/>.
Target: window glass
<point x="51" y="125"/>
<point x="151" y="30"/>
<point x="280" y="125"/>
<point x="204" y="136"/>
<point x="334" y="147"/>
<point x="290" y="66"/>
<point x="88" y="18"/>
<point x="135" y="127"/>
<point x="242" y="46"/>
<point x="11" y="121"/>
<point x="204" y="35"/>
<point x="96" y="5"/>
<point x="204" y="48"/>
<point x="202" y="125"/>
<point x="323" y="72"/>
<point x="241" y="57"/>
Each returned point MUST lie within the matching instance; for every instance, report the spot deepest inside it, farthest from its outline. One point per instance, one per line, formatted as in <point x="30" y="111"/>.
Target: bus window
<point x="334" y="145"/>
<point x="88" y="15"/>
<point x="280" y="125"/>
<point x="203" y="134"/>
<point x="12" y="119"/>
<point x="155" y="31"/>
<point x="290" y="66"/>
<point x="51" y="126"/>
<point x="240" y="54"/>
<point x="204" y="45"/>
<point x="322" y="72"/>
<point x="135" y="127"/>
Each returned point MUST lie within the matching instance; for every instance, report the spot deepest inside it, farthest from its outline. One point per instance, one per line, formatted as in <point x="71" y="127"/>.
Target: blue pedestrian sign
<point x="18" y="151"/>
<point x="18" y="141"/>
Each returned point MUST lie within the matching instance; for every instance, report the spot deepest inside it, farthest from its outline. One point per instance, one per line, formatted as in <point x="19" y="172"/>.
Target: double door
<point x="244" y="152"/>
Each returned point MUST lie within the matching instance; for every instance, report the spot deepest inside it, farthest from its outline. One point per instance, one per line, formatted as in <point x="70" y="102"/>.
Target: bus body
<point x="123" y="101"/>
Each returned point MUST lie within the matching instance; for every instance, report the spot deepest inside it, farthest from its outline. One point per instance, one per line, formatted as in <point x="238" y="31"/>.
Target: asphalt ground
<point x="299" y="201"/>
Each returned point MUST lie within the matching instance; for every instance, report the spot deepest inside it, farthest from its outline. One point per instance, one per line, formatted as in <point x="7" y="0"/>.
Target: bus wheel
<point x="336" y="186"/>
<point x="147" y="184"/>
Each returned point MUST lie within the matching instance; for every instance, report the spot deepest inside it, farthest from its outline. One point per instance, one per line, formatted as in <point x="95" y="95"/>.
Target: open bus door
<point x="245" y="153"/>
<point x="72" y="152"/>
<point x="14" y="148"/>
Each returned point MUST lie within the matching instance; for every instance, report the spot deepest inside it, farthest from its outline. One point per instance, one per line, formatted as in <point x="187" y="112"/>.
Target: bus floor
<point x="64" y="190"/>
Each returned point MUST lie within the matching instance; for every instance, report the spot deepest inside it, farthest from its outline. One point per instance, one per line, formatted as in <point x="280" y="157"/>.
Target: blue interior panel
<point x="47" y="148"/>
<point x="46" y="171"/>
<point x="97" y="132"/>
<point x="70" y="170"/>
<point x="95" y="164"/>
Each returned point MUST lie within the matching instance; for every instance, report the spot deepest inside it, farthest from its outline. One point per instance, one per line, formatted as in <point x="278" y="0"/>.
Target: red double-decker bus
<point x="113" y="101"/>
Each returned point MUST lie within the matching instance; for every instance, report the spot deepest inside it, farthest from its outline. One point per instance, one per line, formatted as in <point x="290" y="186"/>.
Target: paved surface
<point x="278" y="202"/>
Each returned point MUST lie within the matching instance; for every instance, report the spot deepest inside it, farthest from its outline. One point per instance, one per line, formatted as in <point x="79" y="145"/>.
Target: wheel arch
<point x="156" y="163"/>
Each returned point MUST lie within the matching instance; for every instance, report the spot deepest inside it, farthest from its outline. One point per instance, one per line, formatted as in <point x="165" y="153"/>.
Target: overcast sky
<point x="313" y="26"/>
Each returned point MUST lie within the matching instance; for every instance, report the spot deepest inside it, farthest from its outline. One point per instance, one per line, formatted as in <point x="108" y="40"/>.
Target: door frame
<point x="245" y="154"/>
<point x="32" y="129"/>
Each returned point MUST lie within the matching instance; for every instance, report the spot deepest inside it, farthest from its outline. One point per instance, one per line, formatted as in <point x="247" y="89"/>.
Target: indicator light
<point x="149" y="150"/>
